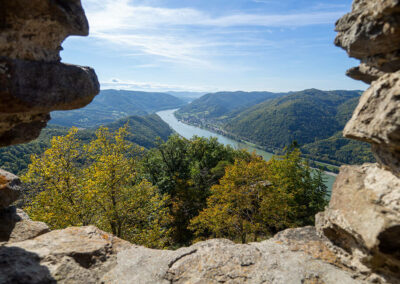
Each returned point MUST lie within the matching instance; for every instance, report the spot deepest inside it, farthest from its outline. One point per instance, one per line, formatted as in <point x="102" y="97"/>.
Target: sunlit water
<point x="188" y="131"/>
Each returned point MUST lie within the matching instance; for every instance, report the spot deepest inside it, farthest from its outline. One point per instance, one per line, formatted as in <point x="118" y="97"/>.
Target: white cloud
<point x="118" y="84"/>
<point x="167" y="47"/>
<point x="183" y="35"/>
<point x="122" y="15"/>
<point x="290" y="20"/>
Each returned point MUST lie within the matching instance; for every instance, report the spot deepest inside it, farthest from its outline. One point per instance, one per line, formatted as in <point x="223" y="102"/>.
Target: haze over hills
<point x="111" y="105"/>
<point x="187" y="96"/>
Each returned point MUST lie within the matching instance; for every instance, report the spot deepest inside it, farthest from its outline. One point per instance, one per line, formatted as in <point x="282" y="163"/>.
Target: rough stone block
<point x="10" y="188"/>
<point x="363" y="219"/>
<point x="16" y="226"/>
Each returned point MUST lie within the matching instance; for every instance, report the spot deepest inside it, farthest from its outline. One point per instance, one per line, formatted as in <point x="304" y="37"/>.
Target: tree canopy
<point x="257" y="199"/>
<point x="186" y="170"/>
<point x="98" y="184"/>
<point x="181" y="191"/>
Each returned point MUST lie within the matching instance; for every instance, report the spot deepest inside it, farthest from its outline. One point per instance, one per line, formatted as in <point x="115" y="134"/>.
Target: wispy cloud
<point x="122" y="15"/>
<point x="188" y="35"/>
<point x="167" y="47"/>
<point x="210" y="45"/>
<point x="329" y="6"/>
<point x="152" y="86"/>
<point x="290" y="20"/>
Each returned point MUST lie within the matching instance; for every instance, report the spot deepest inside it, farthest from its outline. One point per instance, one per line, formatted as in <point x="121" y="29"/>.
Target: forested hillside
<point x="217" y="105"/>
<point x="111" y="105"/>
<point x="313" y="118"/>
<point x="142" y="130"/>
<point x="304" y="117"/>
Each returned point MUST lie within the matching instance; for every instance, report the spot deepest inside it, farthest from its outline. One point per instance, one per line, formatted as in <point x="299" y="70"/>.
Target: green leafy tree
<point x="294" y="175"/>
<point x="98" y="184"/>
<point x="186" y="170"/>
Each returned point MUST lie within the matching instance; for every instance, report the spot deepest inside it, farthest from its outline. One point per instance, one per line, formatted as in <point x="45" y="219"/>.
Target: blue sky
<point x="213" y="45"/>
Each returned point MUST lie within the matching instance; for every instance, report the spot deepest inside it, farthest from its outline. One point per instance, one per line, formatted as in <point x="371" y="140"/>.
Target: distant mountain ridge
<point x="187" y="96"/>
<point x="111" y="105"/>
<point x="216" y="105"/>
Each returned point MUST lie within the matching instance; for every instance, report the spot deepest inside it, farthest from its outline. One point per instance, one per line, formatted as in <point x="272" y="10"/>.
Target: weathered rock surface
<point x="365" y="73"/>
<point x="372" y="28"/>
<point x="377" y="120"/>
<point x="363" y="219"/>
<point x="73" y="255"/>
<point x="10" y="188"/>
<point x="34" y="29"/>
<point x="27" y="97"/>
<point x="88" y="255"/>
<point x="308" y="240"/>
<point x="16" y="226"/>
<point x="33" y="82"/>
<point x="221" y="261"/>
<point x="25" y="88"/>
<point x="371" y="33"/>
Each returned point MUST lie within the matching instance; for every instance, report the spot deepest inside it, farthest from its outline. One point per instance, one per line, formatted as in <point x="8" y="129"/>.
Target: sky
<point x="213" y="45"/>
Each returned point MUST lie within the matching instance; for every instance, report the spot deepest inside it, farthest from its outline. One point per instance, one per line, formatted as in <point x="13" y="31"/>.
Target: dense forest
<point x="111" y="105"/>
<point x="217" y="105"/>
<point x="142" y="130"/>
<point x="177" y="193"/>
<point x="312" y="118"/>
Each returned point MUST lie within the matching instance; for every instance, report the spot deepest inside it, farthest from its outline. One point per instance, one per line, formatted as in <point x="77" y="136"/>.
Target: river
<point x="188" y="131"/>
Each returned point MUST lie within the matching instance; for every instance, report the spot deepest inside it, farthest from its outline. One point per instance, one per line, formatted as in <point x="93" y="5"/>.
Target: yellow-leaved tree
<point x="58" y="177"/>
<point x="98" y="184"/>
<point x="257" y="199"/>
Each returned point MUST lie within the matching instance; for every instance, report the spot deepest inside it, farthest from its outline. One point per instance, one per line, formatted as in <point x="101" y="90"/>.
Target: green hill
<point x="311" y="117"/>
<point x="301" y="116"/>
<point x="143" y="130"/>
<point x="111" y="105"/>
<point x="218" y="105"/>
<point x="338" y="150"/>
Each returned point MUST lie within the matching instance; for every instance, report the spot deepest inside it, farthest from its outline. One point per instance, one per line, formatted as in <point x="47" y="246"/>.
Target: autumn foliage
<point x="180" y="192"/>
<point x="98" y="184"/>
<point x="256" y="199"/>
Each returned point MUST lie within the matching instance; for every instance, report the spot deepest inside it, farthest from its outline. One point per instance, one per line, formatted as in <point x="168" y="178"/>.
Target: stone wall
<point x="356" y="239"/>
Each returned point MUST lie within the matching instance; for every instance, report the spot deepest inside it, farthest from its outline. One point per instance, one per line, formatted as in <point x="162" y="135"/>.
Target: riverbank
<point x="213" y="127"/>
<point x="188" y="131"/>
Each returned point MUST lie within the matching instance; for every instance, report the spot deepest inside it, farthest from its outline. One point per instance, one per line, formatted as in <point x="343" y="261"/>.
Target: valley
<point x="111" y="105"/>
<point x="188" y="131"/>
<point x="263" y="122"/>
<point x="312" y="118"/>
